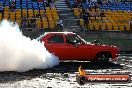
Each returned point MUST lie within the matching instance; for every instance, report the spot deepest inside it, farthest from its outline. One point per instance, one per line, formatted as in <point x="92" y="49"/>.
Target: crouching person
<point x="59" y="24"/>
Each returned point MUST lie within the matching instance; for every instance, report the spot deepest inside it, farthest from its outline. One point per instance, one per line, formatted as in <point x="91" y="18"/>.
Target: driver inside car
<point x="73" y="39"/>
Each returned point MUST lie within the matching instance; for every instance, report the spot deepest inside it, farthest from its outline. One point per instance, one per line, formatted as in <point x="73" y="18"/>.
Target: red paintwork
<point x="84" y="51"/>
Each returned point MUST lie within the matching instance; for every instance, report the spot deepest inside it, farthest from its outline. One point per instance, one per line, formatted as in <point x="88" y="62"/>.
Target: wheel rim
<point x="102" y="57"/>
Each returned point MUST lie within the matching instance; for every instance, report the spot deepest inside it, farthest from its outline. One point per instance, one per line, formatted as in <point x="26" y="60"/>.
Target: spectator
<point x="24" y="22"/>
<point x="44" y="14"/>
<point x="32" y="19"/>
<point x="90" y="9"/>
<point x="96" y="7"/>
<point x="59" y="21"/>
<point x="47" y="4"/>
<point x="38" y="15"/>
<point x="12" y="5"/>
<point x="102" y="14"/>
<point x="83" y="1"/>
<point x="130" y="22"/>
<point x="75" y="5"/>
<point x="50" y="2"/>
<point x="86" y="20"/>
<point x="93" y="2"/>
<point x="12" y="1"/>
<point x="44" y="3"/>
<point x="82" y="12"/>
<point x="1" y="8"/>
<point x="33" y="22"/>
<point x="59" y="24"/>
<point x="100" y="2"/>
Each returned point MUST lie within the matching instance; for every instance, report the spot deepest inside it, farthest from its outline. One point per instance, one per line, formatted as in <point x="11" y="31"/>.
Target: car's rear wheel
<point x="102" y="57"/>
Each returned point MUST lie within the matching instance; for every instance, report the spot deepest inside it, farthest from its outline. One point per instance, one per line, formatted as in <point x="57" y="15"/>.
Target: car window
<point x="56" y="39"/>
<point x="72" y="39"/>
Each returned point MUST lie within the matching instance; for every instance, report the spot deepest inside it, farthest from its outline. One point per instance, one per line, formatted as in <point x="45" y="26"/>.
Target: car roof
<point x="46" y="33"/>
<point x="59" y="33"/>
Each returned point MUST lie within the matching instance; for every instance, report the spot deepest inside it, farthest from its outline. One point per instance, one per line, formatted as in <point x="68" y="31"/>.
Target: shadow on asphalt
<point x="63" y="67"/>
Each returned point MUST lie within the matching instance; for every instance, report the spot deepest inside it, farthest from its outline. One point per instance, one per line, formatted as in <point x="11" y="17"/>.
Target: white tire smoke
<point x="19" y="53"/>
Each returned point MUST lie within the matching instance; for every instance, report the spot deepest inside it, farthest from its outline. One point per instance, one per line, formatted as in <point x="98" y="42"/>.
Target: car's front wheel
<point x="102" y="57"/>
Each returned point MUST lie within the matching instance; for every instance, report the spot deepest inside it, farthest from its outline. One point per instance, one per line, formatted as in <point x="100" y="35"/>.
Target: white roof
<point x="59" y="32"/>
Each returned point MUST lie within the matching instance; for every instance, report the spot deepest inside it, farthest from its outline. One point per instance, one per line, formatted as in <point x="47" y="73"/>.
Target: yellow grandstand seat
<point x="53" y="10"/>
<point x="45" y="24"/>
<point x="18" y="12"/>
<point x="0" y="19"/>
<point x="100" y="25"/>
<point x="12" y="16"/>
<point x="98" y="18"/>
<point x="6" y="8"/>
<point x="47" y="8"/>
<point x="24" y="12"/>
<point x="127" y="26"/>
<point x="19" y="22"/>
<point x="42" y="11"/>
<point x="104" y="18"/>
<point x="6" y="16"/>
<point x="115" y="26"/>
<point x="119" y="11"/>
<point x="0" y="16"/>
<point x="30" y="13"/>
<point x="109" y="26"/>
<point x="121" y="26"/>
<point x="38" y="24"/>
<point x="103" y="27"/>
<point x="92" y="18"/>
<point x="81" y="22"/>
<point x="12" y="13"/>
<point x="91" y="26"/>
<point x="12" y="20"/>
<point x="115" y="19"/>
<point x="18" y="16"/>
<point x="114" y="11"/>
<point x="51" y="24"/>
<point x="76" y="12"/>
<point x="36" y="11"/>
<point x="96" y="25"/>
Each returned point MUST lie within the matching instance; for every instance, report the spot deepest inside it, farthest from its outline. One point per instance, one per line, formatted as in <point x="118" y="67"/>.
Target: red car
<point x="70" y="46"/>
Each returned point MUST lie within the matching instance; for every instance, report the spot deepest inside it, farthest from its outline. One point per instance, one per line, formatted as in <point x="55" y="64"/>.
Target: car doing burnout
<point x="70" y="46"/>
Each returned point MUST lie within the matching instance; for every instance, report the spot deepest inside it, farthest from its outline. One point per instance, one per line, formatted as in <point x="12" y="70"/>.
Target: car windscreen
<point x="73" y="39"/>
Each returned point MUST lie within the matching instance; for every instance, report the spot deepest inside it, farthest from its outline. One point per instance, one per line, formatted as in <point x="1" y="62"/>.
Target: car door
<point x="73" y="46"/>
<point x="78" y="50"/>
<point x="55" y="45"/>
<point x="85" y="51"/>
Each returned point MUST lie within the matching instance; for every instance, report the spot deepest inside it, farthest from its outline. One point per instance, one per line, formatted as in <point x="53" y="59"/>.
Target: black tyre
<point x="81" y="80"/>
<point x="102" y="57"/>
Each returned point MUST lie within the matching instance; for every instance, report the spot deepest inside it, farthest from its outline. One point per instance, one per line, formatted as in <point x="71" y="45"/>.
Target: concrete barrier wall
<point x="112" y="35"/>
<point x="107" y="34"/>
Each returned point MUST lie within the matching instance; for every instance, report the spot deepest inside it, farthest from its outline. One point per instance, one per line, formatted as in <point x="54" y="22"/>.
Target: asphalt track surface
<point x="64" y="75"/>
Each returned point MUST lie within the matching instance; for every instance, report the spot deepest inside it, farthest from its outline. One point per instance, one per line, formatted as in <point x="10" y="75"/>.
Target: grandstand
<point x="27" y="9"/>
<point x="117" y="15"/>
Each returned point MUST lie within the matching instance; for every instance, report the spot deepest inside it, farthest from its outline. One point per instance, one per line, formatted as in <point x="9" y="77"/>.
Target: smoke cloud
<point x="19" y="53"/>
